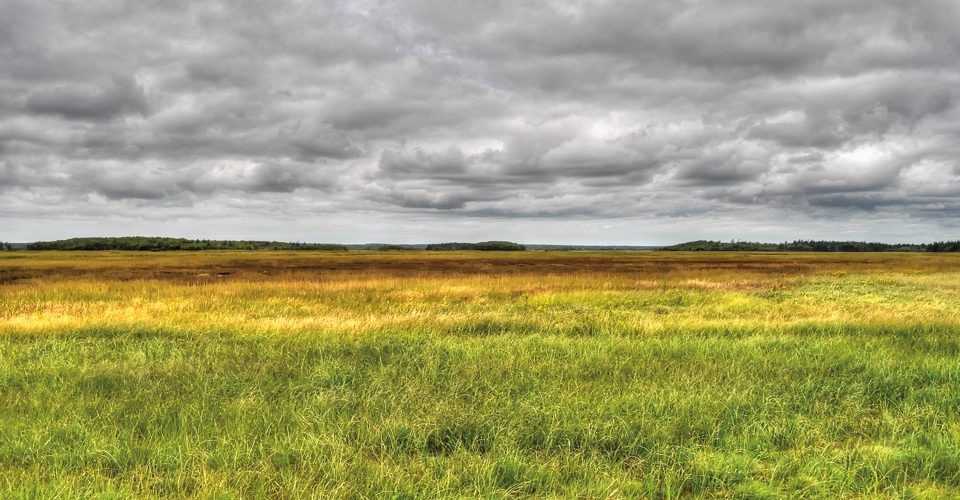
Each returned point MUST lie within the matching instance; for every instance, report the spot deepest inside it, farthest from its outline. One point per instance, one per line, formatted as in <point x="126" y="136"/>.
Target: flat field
<point x="417" y="374"/>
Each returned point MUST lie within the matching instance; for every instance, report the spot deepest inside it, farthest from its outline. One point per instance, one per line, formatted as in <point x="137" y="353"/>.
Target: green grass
<point x="811" y="385"/>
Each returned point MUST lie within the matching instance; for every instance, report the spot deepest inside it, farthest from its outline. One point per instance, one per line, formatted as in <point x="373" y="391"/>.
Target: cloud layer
<point x="593" y="121"/>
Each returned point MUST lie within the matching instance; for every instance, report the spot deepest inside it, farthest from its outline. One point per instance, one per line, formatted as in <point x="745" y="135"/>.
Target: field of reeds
<point x="421" y="374"/>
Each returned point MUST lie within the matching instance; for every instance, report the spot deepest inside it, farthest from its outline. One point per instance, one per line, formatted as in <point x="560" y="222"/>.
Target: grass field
<point x="416" y="374"/>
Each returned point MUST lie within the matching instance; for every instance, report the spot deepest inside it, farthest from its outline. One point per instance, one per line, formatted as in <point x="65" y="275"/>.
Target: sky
<point x="581" y="122"/>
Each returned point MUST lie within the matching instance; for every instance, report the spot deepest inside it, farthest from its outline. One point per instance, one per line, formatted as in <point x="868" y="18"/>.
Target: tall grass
<point x="614" y="375"/>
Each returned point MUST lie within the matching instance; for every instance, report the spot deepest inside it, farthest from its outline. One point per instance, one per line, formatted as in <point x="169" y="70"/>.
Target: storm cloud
<point x="553" y="121"/>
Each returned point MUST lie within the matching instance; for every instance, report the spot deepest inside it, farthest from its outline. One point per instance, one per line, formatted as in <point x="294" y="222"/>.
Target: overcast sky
<point x="635" y="122"/>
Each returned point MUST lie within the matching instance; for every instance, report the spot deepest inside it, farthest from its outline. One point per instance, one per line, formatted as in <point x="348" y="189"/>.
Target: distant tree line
<point x="943" y="246"/>
<point x="163" y="244"/>
<point x="4" y="246"/>
<point x="394" y="248"/>
<point x="501" y="246"/>
<point x="813" y="246"/>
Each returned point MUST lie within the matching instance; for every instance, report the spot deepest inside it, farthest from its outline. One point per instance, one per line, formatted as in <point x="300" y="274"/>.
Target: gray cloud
<point x="387" y="113"/>
<point x="120" y="95"/>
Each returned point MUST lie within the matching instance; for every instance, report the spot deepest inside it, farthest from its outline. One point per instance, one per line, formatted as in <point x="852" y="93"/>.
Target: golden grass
<point x="420" y="374"/>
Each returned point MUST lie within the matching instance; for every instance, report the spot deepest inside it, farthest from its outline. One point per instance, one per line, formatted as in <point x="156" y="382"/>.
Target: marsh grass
<point x="426" y="375"/>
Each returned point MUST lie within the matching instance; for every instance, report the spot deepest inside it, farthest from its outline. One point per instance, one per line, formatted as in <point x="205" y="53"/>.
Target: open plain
<point x="425" y="374"/>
